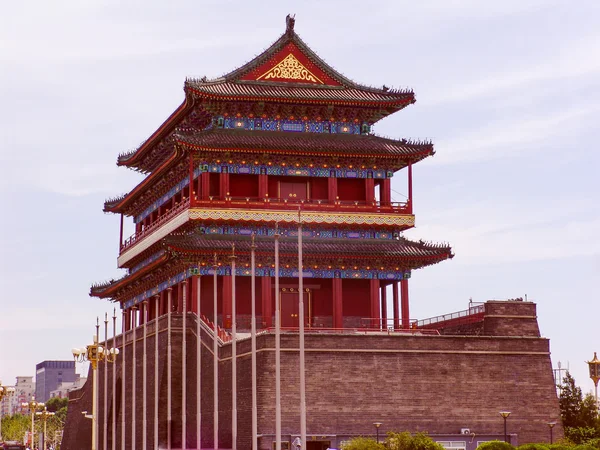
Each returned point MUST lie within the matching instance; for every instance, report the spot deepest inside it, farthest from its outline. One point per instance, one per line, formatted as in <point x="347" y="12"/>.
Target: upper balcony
<point x="395" y="216"/>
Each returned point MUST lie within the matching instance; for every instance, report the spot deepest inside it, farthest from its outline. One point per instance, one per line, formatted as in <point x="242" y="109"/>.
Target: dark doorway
<point x="293" y="190"/>
<point x="289" y="305"/>
<point x="318" y="445"/>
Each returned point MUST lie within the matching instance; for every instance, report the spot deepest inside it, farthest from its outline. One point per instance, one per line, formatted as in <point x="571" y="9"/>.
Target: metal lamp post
<point x="377" y="425"/>
<point x="44" y="416"/>
<point x="95" y="353"/>
<point x="551" y="425"/>
<point x="5" y="391"/>
<point x="505" y="415"/>
<point x="594" y="366"/>
<point x="33" y="406"/>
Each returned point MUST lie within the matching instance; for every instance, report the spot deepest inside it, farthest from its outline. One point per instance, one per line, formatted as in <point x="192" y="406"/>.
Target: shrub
<point x="533" y="447"/>
<point x="406" y="441"/>
<point x="495" y="445"/>
<point x="362" y="443"/>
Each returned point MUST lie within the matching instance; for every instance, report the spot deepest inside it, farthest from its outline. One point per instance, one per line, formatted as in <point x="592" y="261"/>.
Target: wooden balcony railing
<point x="306" y="205"/>
<point x="473" y="314"/>
<point x="136" y="237"/>
<point x="271" y="204"/>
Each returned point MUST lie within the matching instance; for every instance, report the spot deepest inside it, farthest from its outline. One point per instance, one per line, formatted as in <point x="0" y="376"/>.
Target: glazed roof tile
<point x="256" y="91"/>
<point x="312" y="143"/>
<point x="247" y="82"/>
<point x="400" y="248"/>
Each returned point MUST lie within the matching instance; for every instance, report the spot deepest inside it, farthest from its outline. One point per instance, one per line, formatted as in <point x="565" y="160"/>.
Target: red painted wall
<point x="214" y="184"/>
<point x="318" y="188"/>
<point x="351" y="189"/>
<point x="243" y="185"/>
<point x="355" y="298"/>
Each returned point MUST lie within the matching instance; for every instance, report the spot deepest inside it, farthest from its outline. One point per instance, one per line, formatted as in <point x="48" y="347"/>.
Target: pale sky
<point x="508" y="91"/>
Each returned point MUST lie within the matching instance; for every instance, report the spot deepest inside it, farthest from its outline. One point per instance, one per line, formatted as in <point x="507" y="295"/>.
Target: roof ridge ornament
<point x="290" y="20"/>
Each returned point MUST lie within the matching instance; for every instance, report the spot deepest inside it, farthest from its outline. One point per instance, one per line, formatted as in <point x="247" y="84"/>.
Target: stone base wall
<point x="438" y="384"/>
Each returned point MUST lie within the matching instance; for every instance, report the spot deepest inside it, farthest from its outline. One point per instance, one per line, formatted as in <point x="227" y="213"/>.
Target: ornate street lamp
<point x="33" y="407"/>
<point x="594" y="366"/>
<point x="95" y="353"/>
<point x="44" y="416"/>
<point x="5" y="391"/>
<point x="505" y="415"/>
<point x="377" y="425"/>
<point x="551" y="425"/>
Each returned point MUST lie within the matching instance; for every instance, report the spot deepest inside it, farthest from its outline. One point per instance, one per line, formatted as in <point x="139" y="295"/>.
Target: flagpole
<point x="114" y="384"/>
<point x="156" y="392"/>
<point x="301" y="332"/>
<point x="105" y="431"/>
<point x="184" y="365"/>
<point x="198" y="365"/>
<point x="215" y="361"/>
<point x="233" y="354"/>
<point x="277" y="347"/>
<point x="253" y="338"/>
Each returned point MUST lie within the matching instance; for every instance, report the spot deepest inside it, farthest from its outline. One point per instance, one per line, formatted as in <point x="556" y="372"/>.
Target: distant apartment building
<point x="62" y="391"/>
<point x="6" y="405"/>
<point x="24" y="390"/>
<point x="50" y="374"/>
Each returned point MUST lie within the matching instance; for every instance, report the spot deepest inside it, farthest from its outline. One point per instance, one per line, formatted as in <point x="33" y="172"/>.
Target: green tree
<point x="407" y="441"/>
<point x="579" y="413"/>
<point x="570" y="402"/>
<point x="56" y="403"/>
<point x="362" y="443"/>
<point x="495" y="445"/>
<point x="14" y="427"/>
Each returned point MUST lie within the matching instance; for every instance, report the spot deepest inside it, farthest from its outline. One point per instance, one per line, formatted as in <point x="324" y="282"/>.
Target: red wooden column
<point x="405" y="311"/>
<point x="205" y="185"/>
<point x="193" y="303"/>
<point x="374" y="289"/>
<point x="163" y="303"/>
<point x="263" y="185"/>
<point x="410" y="190"/>
<point x="384" y="306"/>
<point x="191" y="184"/>
<point x="179" y="306"/>
<point x="224" y="184"/>
<point x="126" y="319"/>
<point x="227" y="299"/>
<point x="369" y="190"/>
<point x="386" y="191"/>
<point x="332" y="189"/>
<point x="142" y="313"/>
<point x="121" y="234"/>
<point x="396" y="305"/>
<point x="338" y="318"/>
<point x="267" y="302"/>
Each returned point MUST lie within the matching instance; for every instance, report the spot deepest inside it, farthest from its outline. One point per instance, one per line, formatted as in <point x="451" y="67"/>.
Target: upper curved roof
<point x="290" y="70"/>
<point x="310" y="143"/>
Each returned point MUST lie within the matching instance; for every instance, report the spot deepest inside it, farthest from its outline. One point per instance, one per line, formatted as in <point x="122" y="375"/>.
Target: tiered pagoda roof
<point x="287" y="73"/>
<point x="311" y="144"/>
<point x="406" y="254"/>
<point x="290" y="70"/>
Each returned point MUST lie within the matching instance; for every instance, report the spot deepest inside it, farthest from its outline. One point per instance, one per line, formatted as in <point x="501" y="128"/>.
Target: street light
<point x="95" y="353"/>
<point x="551" y="425"/>
<point x="33" y="406"/>
<point x="44" y="415"/>
<point x="377" y="425"/>
<point x="594" y="366"/>
<point x="505" y="415"/>
<point x="5" y="391"/>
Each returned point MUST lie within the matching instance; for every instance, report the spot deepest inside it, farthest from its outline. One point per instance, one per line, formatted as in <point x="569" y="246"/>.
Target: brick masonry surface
<point x="437" y="384"/>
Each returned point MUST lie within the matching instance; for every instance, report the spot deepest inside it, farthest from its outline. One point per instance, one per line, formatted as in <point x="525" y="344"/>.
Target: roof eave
<point x="129" y="160"/>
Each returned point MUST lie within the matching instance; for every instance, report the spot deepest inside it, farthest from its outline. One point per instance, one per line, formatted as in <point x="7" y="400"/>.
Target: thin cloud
<point x="510" y="137"/>
<point x="573" y="60"/>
